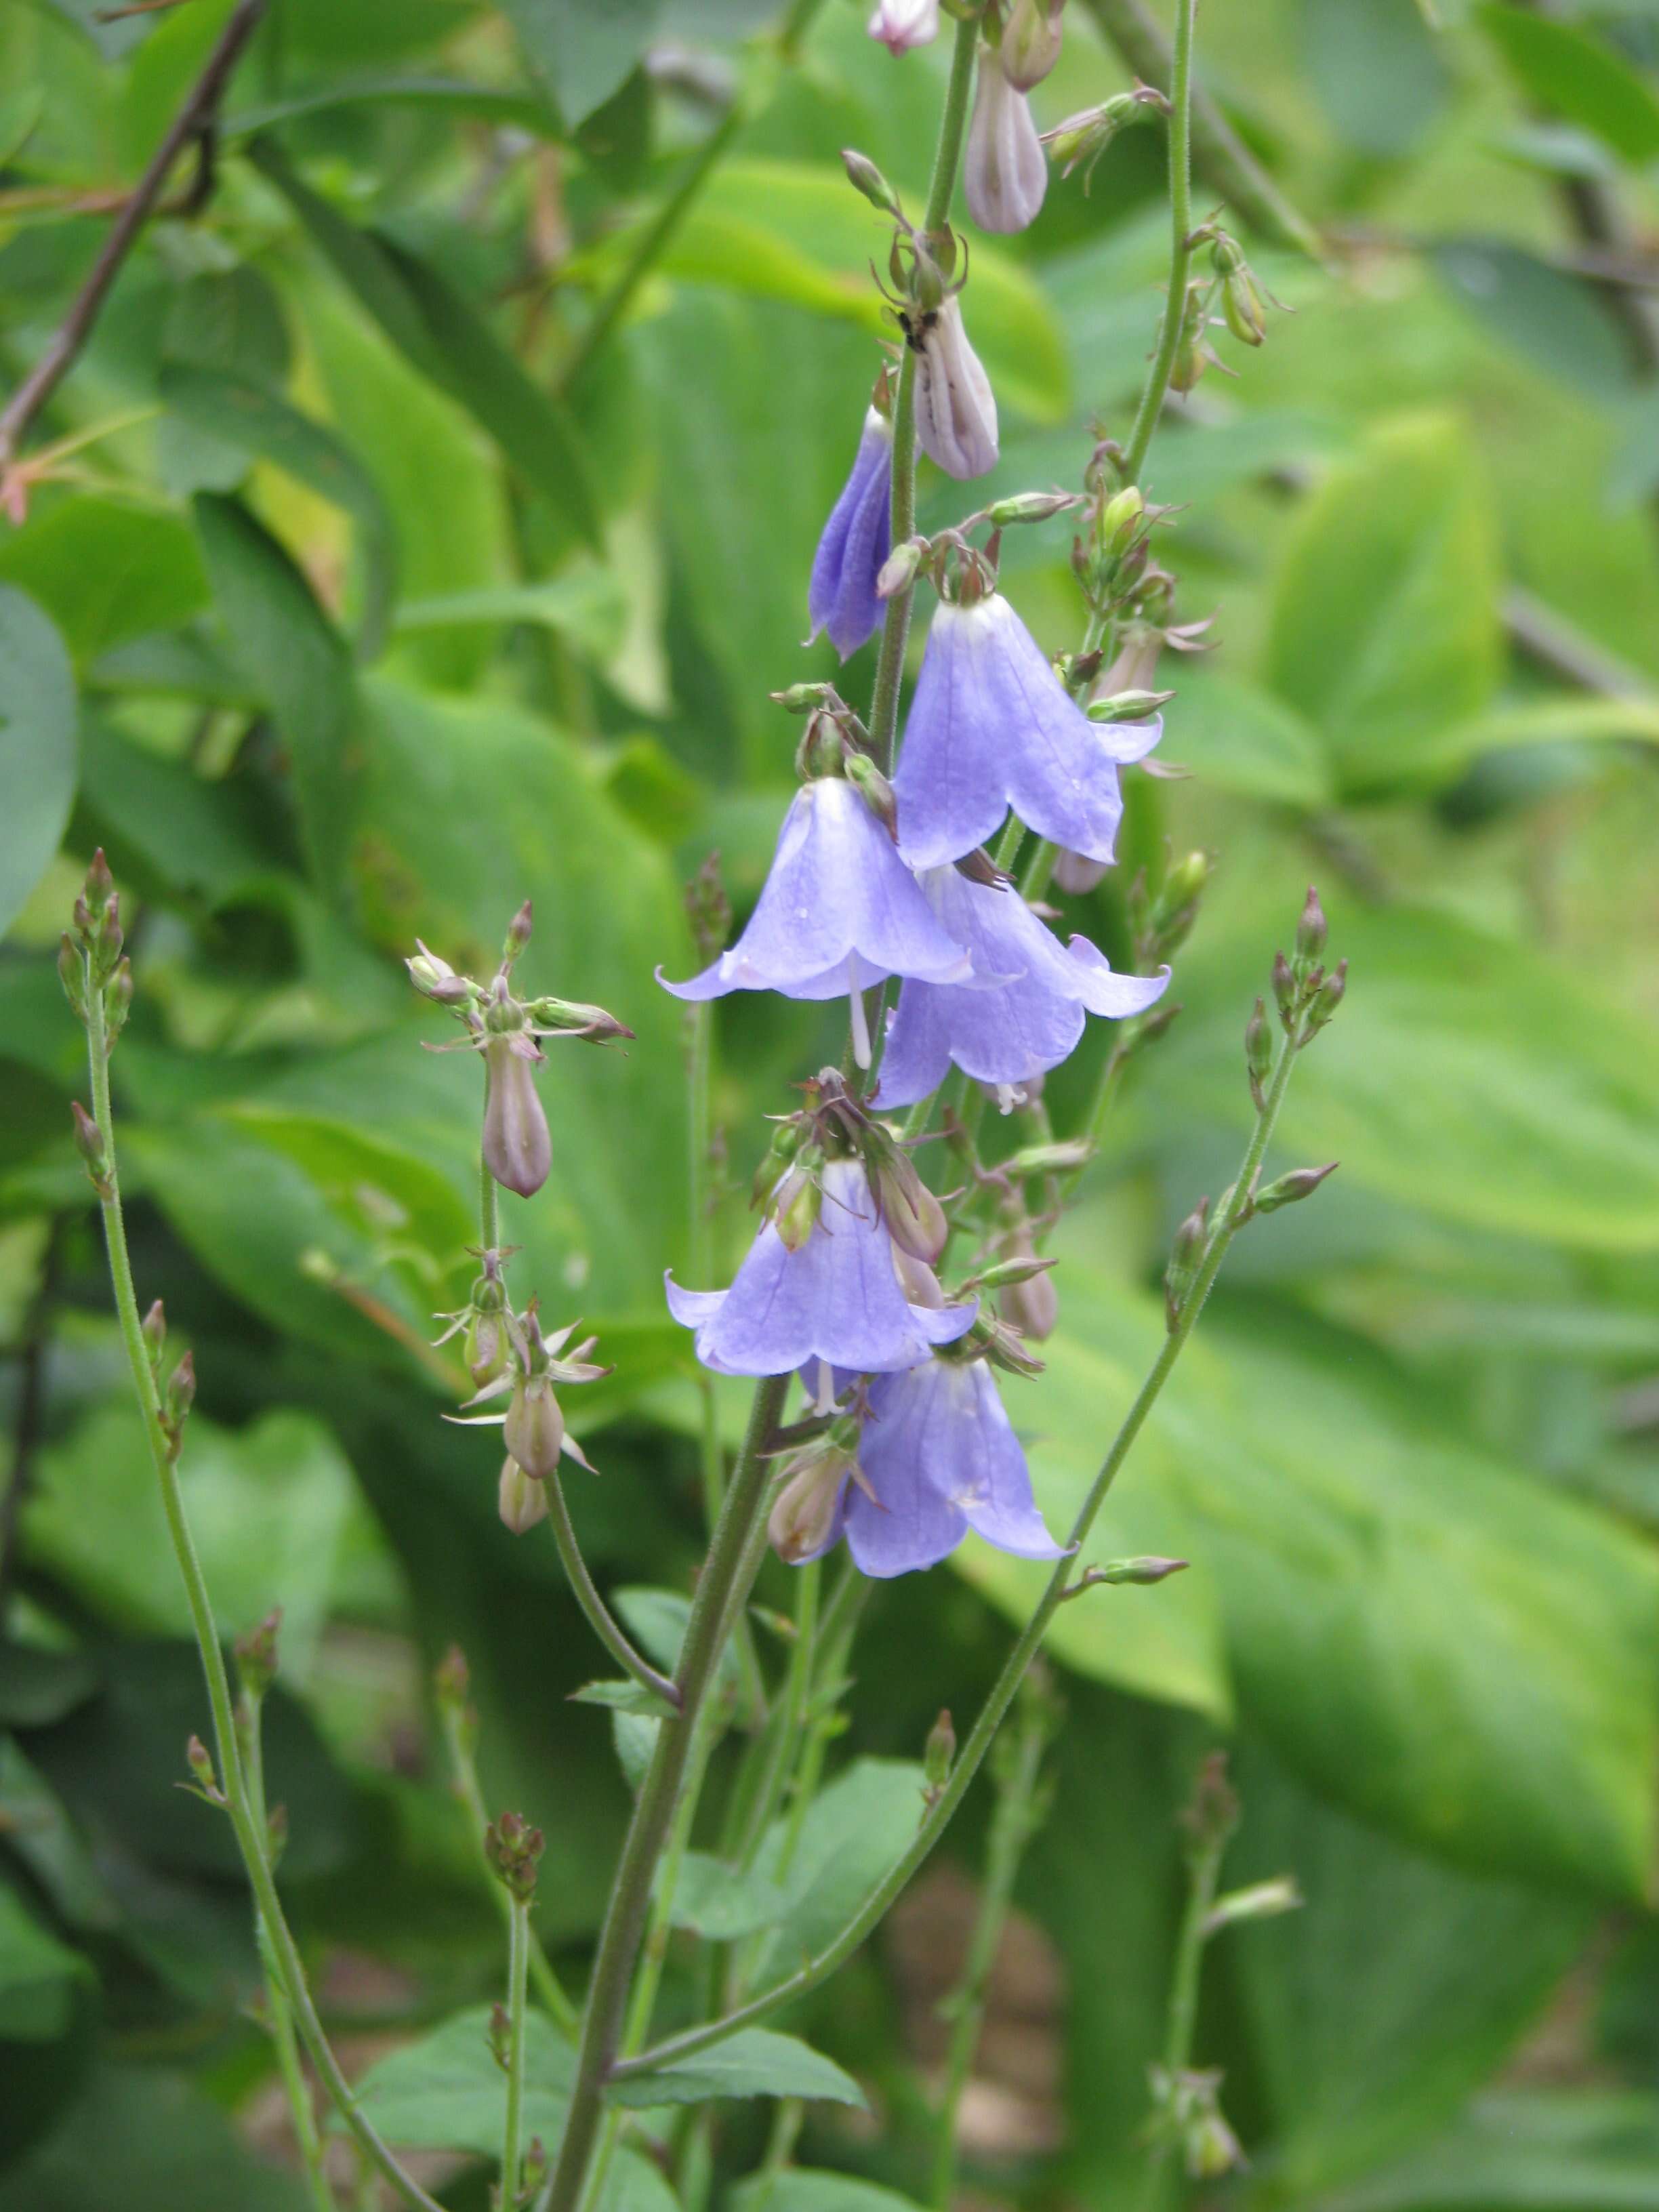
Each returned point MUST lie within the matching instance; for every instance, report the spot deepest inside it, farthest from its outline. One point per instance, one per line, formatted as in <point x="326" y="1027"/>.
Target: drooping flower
<point x="840" y="911"/>
<point x="855" y="541"/>
<point x="835" y="1297"/>
<point x="901" y="24"/>
<point x="956" y="407"/>
<point x="517" y="1149"/>
<point x="1023" y="1013"/>
<point x="938" y="1457"/>
<point x="1005" y="171"/>
<point x="991" y="728"/>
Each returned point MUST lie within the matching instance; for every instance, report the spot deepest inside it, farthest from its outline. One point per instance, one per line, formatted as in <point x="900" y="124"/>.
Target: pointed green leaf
<point x="754" y="2063"/>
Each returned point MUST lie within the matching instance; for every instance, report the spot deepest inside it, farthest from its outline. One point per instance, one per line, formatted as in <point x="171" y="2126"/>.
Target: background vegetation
<point x="357" y="587"/>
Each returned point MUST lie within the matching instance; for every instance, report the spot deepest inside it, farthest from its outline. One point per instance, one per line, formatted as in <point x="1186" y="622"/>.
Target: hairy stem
<point x="1002" y="1694"/>
<point x="517" y="1982"/>
<point x="600" y="1619"/>
<point x="250" y="1837"/>
<point x="653" y="1809"/>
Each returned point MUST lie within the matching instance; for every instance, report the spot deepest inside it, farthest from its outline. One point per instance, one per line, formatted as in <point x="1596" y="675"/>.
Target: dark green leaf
<point x="853" y="1832"/>
<point x="582" y="58"/>
<point x="445" y="2092"/>
<point x="37" y="748"/>
<point x="753" y="2062"/>
<point x="106" y="572"/>
<point x="37" y="1687"/>
<point x="624" y="1697"/>
<point x="37" y="1975"/>
<point x="717" y="1902"/>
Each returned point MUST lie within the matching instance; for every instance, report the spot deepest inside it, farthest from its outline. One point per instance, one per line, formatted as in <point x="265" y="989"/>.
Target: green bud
<point x="865" y="176"/>
<point x="520" y="1501"/>
<point x="1028" y="507"/>
<point x="1326" y="1000"/>
<point x="1285" y="990"/>
<point x="822" y="750"/>
<point x="898" y="571"/>
<point x="787" y="1140"/>
<point x="1289" y="1190"/>
<point x="199" y="1760"/>
<point x="518" y="935"/>
<point x="72" y="975"/>
<point x="118" y="1002"/>
<point x="1258" y="1053"/>
<point x="874" y="789"/>
<point x="938" y="1755"/>
<point x="255" y="1654"/>
<point x="1262" y="1900"/>
<point x="1310" y="930"/>
<point x="1063" y="1156"/>
<point x="1211" y="1814"/>
<point x="572" y="1018"/>
<point x="89" y="1142"/>
<point x="1186" y="1256"/>
<point x="178" y="1397"/>
<point x="796" y="1206"/>
<point x="1127" y="706"/>
<point x="1144" y="1570"/>
<point x="511" y="1847"/>
<point x="154" y="1330"/>
<point x="1121" y="519"/>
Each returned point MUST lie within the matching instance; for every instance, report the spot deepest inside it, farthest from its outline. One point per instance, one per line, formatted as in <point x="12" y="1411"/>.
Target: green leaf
<point x="634" y="1739"/>
<point x="446" y="339"/>
<point x="1377" y="70"/>
<point x="625" y="1697"/>
<point x="1444" y="1645"/>
<point x="159" y="820"/>
<point x="37" y="1687"/>
<point x="580" y="56"/>
<point x="244" y="414"/>
<point x="854" y="1833"/>
<point x="805" y="2189"/>
<point x="1384" y="623"/>
<point x="106" y="572"/>
<point x="1239" y="738"/>
<point x="753" y="2062"/>
<point x="1567" y="718"/>
<point x="445" y="95"/>
<point x="445" y="2091"/>
<point x="38" y="1976"/>
<point x="1572" y="73"/>
<point x="295" y="659"/>
<point x="721" y="1903"/>
<point x="1555" y="320"/>
<point x="37" y="748"/>
<point x="588" y="605"/>
<point x="273" y="1507"/>
<point x="1530" y="2149"/>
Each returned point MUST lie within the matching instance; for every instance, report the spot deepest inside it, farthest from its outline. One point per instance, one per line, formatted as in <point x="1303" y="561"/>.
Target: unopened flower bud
<point x="1121" y="519"/>
<point x="1126" y="706"/>
<point x="1285" y="990"/>
<point x="118" y="1002"/>
<point x="956" y="408"/>
<point x="874" y="789"/>
<point x="154" y="1330"/>
<point x="865" y="176"/>
<point x="255" y="1654"/>
<point x="1311" y="930"/>
<point x="513" y="1847"/>
<point x="199" y="1760"/>
<point x="823" y="749"/>
<point x="435" y="979"/>
<point x="518" y="934"/>
<point x="533" y="1432"/>
<point x="939" y="1754"/>
<point x="1300" y="1183"/>
<point x="1258" y="1052"/>
<point x="806" y="1516"/>
<point x="521" y="1502"/>
<point x="89" y="1142"/>
<point x="788" y="1138"/>
<point x="1143" y="1571"/>
<point x="1192" y="356"/>
<point x="178" y="1398"/>
<point x="72" y="974"/>
<point x="1186" y="1257"/>
<point x="1028" y="507"/>
<point x="901" y="24"/>
<point x="1211" y="2148"/>
<point x="452" y="1679"/>
<point x="796" y="1206"/>
<point x="1081" y="139"/>
<point x="1213" y="1813"/>
<point x="916" y="1219"/>
<point x="1262" y="1900"/>
<point x="1030" y="42"/>
<point x="919" y="1285"/>
<point x="1241" y="303"/>
<point x="1027" y="1300"/>
<point x="1327" y="998"/>
<point x="898" y="571"/>
<point x="574" y="1018"/>
<point x="517" y="1149"/>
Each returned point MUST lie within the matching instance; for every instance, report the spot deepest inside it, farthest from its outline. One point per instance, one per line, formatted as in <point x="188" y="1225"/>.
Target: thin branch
<point x="193" y="122"/>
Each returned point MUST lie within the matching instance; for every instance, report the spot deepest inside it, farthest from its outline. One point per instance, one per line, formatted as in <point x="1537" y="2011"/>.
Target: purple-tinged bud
<point x="255" y="1654"/>
<point x="1326" y="1000"/>
<point x="875" y="790"/>
<point x="89" y="1142"/>
<point x="199" y="1760"/>
<point x="518" y="934"/>
<point x="1027" y="1300"/>
<point x="154" y="1330"/>
<point x="865" y="176"/>
<point x="1028" y="507"/>
<point x="451" y="1681"/>
<point x="118" y="1002"/>
<point x="517" y="1149"/>
<point x="1285" y="990"/>
<point x="1004" y="173"/>
<point x="1213" y="1813"/>
<point x="806" y="1516"/>
<point x="1311" y="930"/>
<point x="1261" y="1900"/>
<point x="435" y="979"/>
<point x="939" y="1754"/>
<point x="990" y="1338"/>
<point x="916" y="1219"/>
<point x="1186" y="1257"/>
<point x="956" y="408"/>
<point x="521" y="1502"/>
<point x="178" y="1398"/>
<point x="1258" y="1053"/>
<point x="901" y="24"/>
<point x="898" y="571"/>
<point x="573" y="1018"/>
<point x="72" y="975"/>
<point x="533" y="1430"/>
<point x="99" y="883"/>
<point x="1289" y="1190"/>
<point x="513" y="1847"/>
<point x="1143" y="1571"/>
<point x="1030" y="42"/>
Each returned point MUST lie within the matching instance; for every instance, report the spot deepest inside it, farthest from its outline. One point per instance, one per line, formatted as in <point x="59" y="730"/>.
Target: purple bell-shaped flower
<point x="833" y="1294"/>
<point x="937" y="1457"/>
<point x="1023" y="1013"/>
<point x="855" y="543"/>
<point x="839" y="912"/>
<point x="991" y="728"/>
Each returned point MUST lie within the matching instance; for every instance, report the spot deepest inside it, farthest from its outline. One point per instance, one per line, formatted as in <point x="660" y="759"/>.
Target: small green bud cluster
<point x="513" y="1848"/>
<point x="1187" y="2113"/>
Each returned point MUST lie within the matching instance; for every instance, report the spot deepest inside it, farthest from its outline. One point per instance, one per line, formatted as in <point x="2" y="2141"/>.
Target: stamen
<point x="860" y="1026"/>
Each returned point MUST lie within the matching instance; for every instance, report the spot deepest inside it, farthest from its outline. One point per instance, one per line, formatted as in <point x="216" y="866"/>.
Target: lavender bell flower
<point x="939" y="1456"/>
<point x="855" y="543"/>
<point x="517" y="1149"/>
<point x="901" y="24"/>
<point x="1022" y="1015"/>
<point x="991" y="728"/>
<point x="837" y="1296"/>
<point x="956" y="407"/>
<point x="1005" y="172"/>
<point x="839" y="912"/>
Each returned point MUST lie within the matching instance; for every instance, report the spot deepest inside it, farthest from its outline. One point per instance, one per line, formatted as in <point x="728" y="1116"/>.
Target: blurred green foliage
<point x="355" y="597"/>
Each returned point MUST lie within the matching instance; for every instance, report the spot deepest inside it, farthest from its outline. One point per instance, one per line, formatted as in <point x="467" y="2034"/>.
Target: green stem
<point x="1001" y="1696"/>
<point x="1180" y="251"/>
<point x="896" y="627"/>
<point x="1011" y="1831"/>
<point x="1205" y="1866"/>
<point x="250" y="1839"/>
<point x="790" y="1716"/>
<point x="517" y="1980"/>
<point x="600" y="1619"/>
<point x="465" y="1773"/>
<point x="653" y="1809"/>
